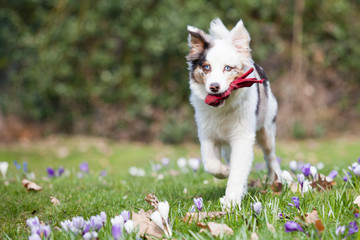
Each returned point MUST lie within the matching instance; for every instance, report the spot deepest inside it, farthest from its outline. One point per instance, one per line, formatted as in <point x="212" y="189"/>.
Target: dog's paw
<point x="230" y="204"/>
<point x="218" y="170"/>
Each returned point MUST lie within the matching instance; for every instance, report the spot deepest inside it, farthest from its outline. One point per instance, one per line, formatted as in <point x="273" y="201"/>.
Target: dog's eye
<point x="206" y="67"/>
<point x="227" y="68"/>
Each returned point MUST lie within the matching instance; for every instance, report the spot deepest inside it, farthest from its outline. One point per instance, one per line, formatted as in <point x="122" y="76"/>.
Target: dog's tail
<point x="218" y="30"/>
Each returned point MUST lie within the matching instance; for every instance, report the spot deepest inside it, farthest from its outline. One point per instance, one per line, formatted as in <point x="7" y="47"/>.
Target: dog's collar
<point x="240" y="82"/>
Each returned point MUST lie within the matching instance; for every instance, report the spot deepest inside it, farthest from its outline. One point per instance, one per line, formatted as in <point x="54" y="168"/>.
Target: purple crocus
<point x="306" y="169"/>
<point x="25" y="166"/>
<point x="125" y="215"/>
<point x="301" y="179"/>
<point x="103" y="173"/>
<point x="296" y="202"/>
<point x="198" y="203"/>
<point x="333" y="174"/>
<point x="345" y="178"/>
<point x="165" y="161"/>
<point x="116" y="231"/>
<point x="17" y="165"/>
<point x="353" y="228"/>
<point x="50" y="172"/>
<point x="84" y="167"/>
<point x="291" y="226"/>
<point x="257" y="207"/>
<point x="357" y="215"/>
<point x="60" y="171"/>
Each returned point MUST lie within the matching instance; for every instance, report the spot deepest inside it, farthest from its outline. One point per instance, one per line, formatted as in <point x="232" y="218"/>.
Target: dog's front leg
<point x="210" y="152"/>
<point x="240" y="165"/>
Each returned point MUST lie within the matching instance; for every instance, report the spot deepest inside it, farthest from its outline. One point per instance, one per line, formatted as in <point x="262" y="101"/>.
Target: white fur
<point x="230" y="130"/>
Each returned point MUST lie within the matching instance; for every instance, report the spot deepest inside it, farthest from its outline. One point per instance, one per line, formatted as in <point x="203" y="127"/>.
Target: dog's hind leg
<point x="210" y="152"/>
<point x="265" y="137"/>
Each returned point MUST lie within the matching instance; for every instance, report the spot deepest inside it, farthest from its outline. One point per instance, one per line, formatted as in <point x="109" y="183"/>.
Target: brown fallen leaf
<point x="147" y="229"/>
<point x="322" y="184"/>
<point x="29" y="185"/>
<point x="357" y="201"/>
<point x="55" y="201"/>
<point x="254" y="182"/>
<point x="152" y="200"/>
<point x="218" y="229"/>
<point x="313" y="218"/>
<point x="198" y="216"/>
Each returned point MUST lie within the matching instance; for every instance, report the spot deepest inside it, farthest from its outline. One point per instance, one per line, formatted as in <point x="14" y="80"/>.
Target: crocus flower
<point x="125" y="215"/>
<point x="359" y="159"/>
<point x="90" y="236"/>
<point x="291" y="226"/>
<point x="156" y="167"/>
<point x="257" y="207"/>
<point x="17" y="165"/>
<point x="296" y="202"/>
<point x="129" y="226"/>
<point x="198" y="203"/>
<point x="34" y="236"/>
<point x="287" y="177"/>
<point x="306" y="169"/>
<point x="340" y="229"/>
<point x="320" y="165"/>
<point x="3" y="168"/>
<point x="60" y="171"/>
<point x="50" y="172"/>
<point x="293" y="165"/>
<point x="333" y="174"/>
<point x="163" y="208"/>
<point x="165" y="161"/>
<point x="357" y="215"/>
<point x="84" y="167"/>
<point x="356" y="170"/>
<point x="345" y="178"/>
<point x="181" y="162"/>
<point x="353" y="228"/>
<point x="116" y="231"/>
<point x="25" y="166"/>
<point x="301" y="179"/>
<point x="137" y="172"/>
<point x="194" y="163"/>
<point x="313" y="172"/>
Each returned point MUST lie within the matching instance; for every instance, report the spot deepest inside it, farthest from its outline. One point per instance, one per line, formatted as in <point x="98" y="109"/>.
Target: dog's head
<point x="217" y="58"/>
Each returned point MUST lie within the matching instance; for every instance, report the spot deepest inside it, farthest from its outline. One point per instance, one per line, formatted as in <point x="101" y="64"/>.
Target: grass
<point x="119" y="191"/>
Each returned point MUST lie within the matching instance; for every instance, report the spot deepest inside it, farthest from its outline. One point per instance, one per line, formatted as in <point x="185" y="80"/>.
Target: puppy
<point x="230" y="128"/>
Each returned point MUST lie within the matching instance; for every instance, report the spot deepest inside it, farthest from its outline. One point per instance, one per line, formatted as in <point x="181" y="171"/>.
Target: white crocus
<point x="194" y="163"/>
<point x="287" y="177"/>
<point x="293" y="165"/>
<point x="313" y="171"/>
<point x="117" y="220"/>
<point x="129" y="226"/>
<point x="163" y="208"/>
<point x="156" y="218"/>
<point x="181" y="162"/>
<point x="3" y="168"/>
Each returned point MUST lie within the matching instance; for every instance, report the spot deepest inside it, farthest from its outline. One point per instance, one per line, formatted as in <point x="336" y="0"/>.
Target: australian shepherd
<point x="229" y="129"/>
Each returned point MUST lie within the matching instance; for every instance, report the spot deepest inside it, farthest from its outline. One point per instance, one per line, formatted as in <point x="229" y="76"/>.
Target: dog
<point x="230" y="128"/>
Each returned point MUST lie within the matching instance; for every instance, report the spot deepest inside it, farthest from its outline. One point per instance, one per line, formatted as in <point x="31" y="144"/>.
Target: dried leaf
<point x="311" y="217"/>
<point x="254" y="236"/>
<point x="276" y="186"/>
<point x="55" y="201"/>
<point x="319" y="225"/>
<point x="198" y="216"/>
<point x="152" y="200"/>
<point x="146" y="228"/>
<point x="322" y="183"/>
<point x="271" y="227"/>
<point x="29" y="185"/>
<point x="357" y="201"/>
<point x="201" y="224"/>
<point x="218" y="229"/>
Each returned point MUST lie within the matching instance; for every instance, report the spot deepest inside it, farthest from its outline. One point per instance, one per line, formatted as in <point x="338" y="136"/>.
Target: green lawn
<point x="119" y="191"/>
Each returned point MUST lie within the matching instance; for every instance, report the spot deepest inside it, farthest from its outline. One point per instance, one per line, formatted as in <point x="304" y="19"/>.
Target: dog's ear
<point x="241" y="38"/>
<point x="218" y="29"/>
<point x="198" y="42"/>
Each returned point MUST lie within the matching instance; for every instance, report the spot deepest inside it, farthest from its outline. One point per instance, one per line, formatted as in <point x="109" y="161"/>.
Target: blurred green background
<point x="117" y="68"/>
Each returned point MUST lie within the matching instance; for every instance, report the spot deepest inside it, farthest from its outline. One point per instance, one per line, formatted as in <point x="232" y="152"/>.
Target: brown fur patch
<point x="199" y="75"/>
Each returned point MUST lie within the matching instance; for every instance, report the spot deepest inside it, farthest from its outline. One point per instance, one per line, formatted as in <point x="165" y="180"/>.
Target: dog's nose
<point x="214" y="87"/>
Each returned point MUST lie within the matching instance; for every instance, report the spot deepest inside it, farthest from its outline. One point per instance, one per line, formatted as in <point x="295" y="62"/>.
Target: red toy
<point x="240" y="82"/>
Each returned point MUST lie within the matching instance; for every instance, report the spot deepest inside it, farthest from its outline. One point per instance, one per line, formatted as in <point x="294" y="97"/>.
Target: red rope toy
<point x="216" y="99"/>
